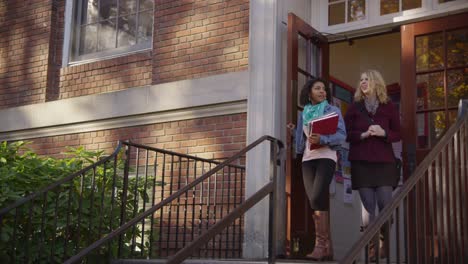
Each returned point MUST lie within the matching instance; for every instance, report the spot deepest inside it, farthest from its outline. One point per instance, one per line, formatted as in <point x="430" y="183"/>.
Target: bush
<point x="70" y="217"/>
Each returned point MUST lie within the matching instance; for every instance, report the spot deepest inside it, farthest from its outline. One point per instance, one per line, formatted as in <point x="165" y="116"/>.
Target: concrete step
<point x="218" y="261"/>
<point x="232" y="261"/>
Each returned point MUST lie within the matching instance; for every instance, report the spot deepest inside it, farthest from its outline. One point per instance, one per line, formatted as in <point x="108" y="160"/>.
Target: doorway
<point x="393" y="54"/>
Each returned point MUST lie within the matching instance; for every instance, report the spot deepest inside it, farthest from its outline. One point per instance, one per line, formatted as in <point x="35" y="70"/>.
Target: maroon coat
<point x="372" y="149"/>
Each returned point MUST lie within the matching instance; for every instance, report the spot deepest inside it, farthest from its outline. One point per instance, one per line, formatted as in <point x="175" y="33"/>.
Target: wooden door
<point x="434" y="73"/>
<point x="434" y="70"/>
<point x="307" y="58"/>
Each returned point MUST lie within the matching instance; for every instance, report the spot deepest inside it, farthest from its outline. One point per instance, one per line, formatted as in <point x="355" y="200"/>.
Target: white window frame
<point x="428" y="9"/>
<point x="324" y="19"/>
<point x="437" y="6"/>
<point x="96" y="56"/>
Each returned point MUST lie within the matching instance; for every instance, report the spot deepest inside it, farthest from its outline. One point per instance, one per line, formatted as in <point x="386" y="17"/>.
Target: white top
<point x="324" y="152"/>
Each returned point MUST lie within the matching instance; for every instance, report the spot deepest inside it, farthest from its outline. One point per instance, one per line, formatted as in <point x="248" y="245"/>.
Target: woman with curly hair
<point x="318" y="163"/>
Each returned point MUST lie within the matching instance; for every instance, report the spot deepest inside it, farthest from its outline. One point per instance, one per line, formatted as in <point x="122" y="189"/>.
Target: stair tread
<point x="227" y="261"/>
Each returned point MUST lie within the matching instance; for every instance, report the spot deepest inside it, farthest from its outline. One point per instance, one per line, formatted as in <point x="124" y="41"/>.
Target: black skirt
<point x="373" y="174"/>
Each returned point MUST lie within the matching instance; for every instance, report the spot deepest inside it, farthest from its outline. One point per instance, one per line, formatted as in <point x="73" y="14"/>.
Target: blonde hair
<point x="376" y="84"/>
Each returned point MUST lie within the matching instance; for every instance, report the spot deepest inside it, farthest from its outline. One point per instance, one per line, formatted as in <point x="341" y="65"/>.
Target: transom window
<point x="346" y="15"/>
<point x="346" y="11"/>
<point x="105" y="28"/>
<point x="397" y="6"/>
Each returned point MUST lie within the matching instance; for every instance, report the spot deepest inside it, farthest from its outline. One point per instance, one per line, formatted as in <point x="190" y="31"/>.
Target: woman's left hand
<point x="314" y="139"/>
<point x="377" y="130"/>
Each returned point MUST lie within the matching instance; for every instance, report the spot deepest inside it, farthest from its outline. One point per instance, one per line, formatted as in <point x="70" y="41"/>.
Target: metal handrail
<point x="119" y="231"/>
<point x="165" y="151"/>
<point x="403" y="193"/>
<point x="221" y="225"/>
<point x="32" y="196"/>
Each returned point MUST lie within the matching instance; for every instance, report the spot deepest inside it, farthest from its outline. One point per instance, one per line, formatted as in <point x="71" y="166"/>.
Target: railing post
<point x="272" y="235"/>
<point x="124" y="197"/>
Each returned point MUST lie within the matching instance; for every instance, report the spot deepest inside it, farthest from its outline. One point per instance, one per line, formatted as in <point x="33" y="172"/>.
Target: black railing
<point x="59" y="221"/>
<point x="193" y="196"/>
<point x="432" y="204"/>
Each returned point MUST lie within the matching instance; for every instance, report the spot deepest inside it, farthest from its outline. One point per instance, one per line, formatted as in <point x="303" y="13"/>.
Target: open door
<point x="434" y="72"/>
<point x="307" y="58"/>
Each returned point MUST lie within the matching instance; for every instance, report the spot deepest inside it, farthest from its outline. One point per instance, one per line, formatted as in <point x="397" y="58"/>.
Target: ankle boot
<point x="372" y="248"/>
<point x="323" y="249"/>
<point x="381" y="242"/>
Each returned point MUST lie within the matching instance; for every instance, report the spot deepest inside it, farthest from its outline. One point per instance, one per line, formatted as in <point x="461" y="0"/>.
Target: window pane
<point x="127" y="31"/>
<point x="146" y="5"/>
<point x="302" y="52"/>
<point x="145" y="26"/>
<point x="457" y="48"/>
<point x="108" y="9"/>
<point x="457" y="89"/>
<point x="127" y="7"/>
<point x="301" y="80"/>
<point x="453" y="115"/>
<point x="389" y="7"/>
<point x="429" y="52"/>
<point x="89" y="13"/>
<point x="88" y="39"/>
<point x="356" y="10"/>
<point x="411" y="4"/>
<point x="431" y="127"/>
<point x="336" y="14"/>
<point x="430" y="91"/>
<point x="106" y="25"/>
<point x="106" y="35"/>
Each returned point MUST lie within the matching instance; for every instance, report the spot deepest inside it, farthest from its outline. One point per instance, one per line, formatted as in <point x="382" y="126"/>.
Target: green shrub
<point x="43" y="236"/>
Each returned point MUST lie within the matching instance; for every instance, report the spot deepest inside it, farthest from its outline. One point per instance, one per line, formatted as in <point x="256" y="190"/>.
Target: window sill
<point x="107" y="57"/>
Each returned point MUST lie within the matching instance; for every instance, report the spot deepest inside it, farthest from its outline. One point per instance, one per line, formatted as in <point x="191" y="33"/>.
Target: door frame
<point x="296" y="27"/>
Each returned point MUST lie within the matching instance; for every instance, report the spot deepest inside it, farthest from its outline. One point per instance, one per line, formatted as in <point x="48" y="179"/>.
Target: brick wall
<point x="212" y="137"/>
<point x="192" y="39"/>
<point x="25" y="30"/>
<point x="195" y="38"/>
<point x="105" y="76"/>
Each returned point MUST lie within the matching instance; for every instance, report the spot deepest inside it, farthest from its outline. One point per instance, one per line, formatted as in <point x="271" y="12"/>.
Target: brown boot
<point x="323" y="249"/>
<point x="372" y="248"/>
<point x="381" y="240"/>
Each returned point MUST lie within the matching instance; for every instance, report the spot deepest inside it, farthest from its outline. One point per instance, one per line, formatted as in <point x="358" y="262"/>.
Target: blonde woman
<point x="372" y="124"/>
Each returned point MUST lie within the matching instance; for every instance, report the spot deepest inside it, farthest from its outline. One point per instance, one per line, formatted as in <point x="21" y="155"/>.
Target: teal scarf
<point x="313" y="111"/>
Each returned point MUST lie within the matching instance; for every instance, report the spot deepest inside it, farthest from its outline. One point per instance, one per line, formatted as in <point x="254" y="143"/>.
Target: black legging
<point x="317" y="175"/>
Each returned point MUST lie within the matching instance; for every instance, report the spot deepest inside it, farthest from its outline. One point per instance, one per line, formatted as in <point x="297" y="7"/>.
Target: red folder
<point x="324" y="125"/>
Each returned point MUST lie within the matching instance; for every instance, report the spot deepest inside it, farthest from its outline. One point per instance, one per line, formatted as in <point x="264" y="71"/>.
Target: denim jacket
<point x="334" y="141"/>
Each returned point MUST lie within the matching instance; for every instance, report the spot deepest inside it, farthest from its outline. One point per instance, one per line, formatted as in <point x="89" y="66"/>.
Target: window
<point x="103" y="28"/>
<point x="397" y="6"/>
<point x="346" y="11"/>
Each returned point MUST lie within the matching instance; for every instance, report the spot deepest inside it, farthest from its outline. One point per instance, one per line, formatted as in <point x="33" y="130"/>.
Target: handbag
<point x="397" y="163"/>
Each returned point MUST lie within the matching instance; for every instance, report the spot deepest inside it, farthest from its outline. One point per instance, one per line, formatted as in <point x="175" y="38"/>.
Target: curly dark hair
<point x="304" y="97"/>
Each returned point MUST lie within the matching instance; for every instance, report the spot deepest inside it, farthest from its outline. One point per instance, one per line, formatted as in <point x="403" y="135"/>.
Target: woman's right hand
<point x="366" y="134"/>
